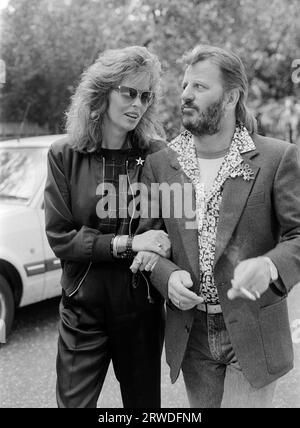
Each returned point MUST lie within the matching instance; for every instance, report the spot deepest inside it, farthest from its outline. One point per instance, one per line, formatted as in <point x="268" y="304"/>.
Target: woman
<point x="104" y="314"/>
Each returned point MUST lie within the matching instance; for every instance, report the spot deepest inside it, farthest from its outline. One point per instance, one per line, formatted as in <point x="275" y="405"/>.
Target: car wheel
<point x="7" y="308"/>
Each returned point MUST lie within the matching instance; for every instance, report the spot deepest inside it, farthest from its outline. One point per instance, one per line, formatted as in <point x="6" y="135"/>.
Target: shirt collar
<point x="241" y="140"/>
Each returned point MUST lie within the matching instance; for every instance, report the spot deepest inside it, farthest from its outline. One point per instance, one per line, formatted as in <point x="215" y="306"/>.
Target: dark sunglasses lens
<point x="125" y="91"/>
<point x="133" y="93"/>
<point x="146" y="97"/>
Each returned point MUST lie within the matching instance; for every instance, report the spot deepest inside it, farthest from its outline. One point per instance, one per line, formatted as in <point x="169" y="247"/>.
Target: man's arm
<point x="282" y="262"/>
<point x="172" y="282"/>
<point x="286" y="197"/>
<point x="151" y="219"/>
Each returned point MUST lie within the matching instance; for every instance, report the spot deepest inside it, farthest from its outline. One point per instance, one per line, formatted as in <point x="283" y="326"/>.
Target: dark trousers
<point x="110" y="320"/>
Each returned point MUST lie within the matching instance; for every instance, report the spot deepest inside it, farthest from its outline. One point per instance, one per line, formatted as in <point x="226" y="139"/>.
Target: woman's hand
<point x="144" y="260"/>
<point x="156" y="241"/>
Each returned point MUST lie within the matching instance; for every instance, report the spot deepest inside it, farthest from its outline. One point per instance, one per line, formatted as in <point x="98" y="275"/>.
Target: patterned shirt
<point x="208" y="204"/>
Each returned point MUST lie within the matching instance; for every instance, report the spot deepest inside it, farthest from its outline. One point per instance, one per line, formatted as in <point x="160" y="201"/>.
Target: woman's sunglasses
<point x="130" y="94"/>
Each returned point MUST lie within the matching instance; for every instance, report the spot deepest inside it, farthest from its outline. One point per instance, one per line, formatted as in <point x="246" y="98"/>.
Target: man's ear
<point x="231" y="99"/>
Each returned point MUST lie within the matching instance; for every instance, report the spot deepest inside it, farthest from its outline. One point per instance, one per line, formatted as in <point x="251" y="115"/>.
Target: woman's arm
<point x="67" y="241"/>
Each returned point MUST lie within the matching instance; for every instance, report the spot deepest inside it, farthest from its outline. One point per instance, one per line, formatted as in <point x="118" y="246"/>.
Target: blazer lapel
<point x="235" y="195"/>
<point x="190" y="245"/>
<point x="187" y="228"/>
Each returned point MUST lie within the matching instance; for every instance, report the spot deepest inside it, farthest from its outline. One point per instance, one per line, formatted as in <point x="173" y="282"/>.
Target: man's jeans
<point x="212" y="375"/>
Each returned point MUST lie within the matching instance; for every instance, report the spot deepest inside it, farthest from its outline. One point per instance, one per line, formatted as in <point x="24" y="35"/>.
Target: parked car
<point x="29" y="270"/>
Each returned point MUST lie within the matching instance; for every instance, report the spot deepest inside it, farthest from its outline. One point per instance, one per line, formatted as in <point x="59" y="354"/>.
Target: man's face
<point x="202" y="99"/>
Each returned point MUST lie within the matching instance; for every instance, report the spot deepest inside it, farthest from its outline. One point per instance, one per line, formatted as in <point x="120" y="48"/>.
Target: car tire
<point x="7" y="308"/>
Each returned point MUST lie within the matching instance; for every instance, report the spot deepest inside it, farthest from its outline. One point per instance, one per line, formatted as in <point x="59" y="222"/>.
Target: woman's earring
<point x="95" y="115"/>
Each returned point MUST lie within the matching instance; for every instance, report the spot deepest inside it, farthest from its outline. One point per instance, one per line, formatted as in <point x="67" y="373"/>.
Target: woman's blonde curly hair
<point x="90" y="101"/>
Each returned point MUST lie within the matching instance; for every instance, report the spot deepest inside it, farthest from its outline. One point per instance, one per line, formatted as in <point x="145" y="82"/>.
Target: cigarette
<point x="247" y="293"/>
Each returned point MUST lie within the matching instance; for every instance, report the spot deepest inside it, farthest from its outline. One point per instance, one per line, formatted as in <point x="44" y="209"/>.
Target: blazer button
<point x="187" y="329"/>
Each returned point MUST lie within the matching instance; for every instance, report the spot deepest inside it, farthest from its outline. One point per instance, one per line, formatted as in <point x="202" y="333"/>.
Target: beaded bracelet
<point x="128" y="253"/>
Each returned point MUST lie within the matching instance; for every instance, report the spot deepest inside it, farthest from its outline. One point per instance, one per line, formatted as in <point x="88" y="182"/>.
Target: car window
<point x="21" y="173"/>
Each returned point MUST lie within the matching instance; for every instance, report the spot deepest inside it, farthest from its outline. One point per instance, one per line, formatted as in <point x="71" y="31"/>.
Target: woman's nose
<point x="137" y="101"/>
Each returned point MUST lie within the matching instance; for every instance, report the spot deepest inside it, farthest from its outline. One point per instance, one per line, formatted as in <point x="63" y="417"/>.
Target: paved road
<point x="27" y="364"/>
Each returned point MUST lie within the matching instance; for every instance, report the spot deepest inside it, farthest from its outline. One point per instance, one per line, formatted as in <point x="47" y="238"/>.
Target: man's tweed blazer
<point x="257" y="217"/>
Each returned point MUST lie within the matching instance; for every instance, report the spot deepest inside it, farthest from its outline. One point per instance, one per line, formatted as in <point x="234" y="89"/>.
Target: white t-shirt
<point x="209" y="165"/>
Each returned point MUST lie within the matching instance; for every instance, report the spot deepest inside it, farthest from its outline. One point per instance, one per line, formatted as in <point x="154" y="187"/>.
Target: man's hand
<point x="178" y="290"/>
<point x="251" y="279"/>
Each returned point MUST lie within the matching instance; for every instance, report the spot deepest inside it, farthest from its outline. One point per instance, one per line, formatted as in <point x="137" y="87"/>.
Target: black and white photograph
<point x="150" y="206"/>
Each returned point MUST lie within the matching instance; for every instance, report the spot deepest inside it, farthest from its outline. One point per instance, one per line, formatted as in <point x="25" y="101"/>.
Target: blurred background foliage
<point x="46" y="44"/>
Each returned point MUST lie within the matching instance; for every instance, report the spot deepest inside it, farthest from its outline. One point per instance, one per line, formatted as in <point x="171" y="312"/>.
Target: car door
<point x="52" y="263"/>
<point x="21" y="242"/>
<point x="28" y="247"/>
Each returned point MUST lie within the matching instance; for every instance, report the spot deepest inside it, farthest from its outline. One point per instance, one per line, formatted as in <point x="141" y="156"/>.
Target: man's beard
<point x="208" y="122"/>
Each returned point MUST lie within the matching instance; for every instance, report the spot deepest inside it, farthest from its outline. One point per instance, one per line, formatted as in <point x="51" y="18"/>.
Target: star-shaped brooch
<point x="140" y="161"/>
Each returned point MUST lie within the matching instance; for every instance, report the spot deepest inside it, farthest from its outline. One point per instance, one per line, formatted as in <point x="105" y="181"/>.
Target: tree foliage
<point x="46" y="44"/>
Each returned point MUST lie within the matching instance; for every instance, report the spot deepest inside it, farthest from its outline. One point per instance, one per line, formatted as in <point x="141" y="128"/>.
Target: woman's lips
<point x="132" y="115"/>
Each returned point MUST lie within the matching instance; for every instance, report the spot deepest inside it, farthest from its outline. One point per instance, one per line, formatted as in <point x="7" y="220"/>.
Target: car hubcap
<point x="2" y="308"/>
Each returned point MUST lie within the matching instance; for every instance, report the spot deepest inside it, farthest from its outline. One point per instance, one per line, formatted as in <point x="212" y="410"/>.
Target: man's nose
<point x="187" y="94"/>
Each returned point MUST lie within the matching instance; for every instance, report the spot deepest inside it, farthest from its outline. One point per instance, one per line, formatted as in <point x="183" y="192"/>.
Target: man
<point x="229" y="276"/>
